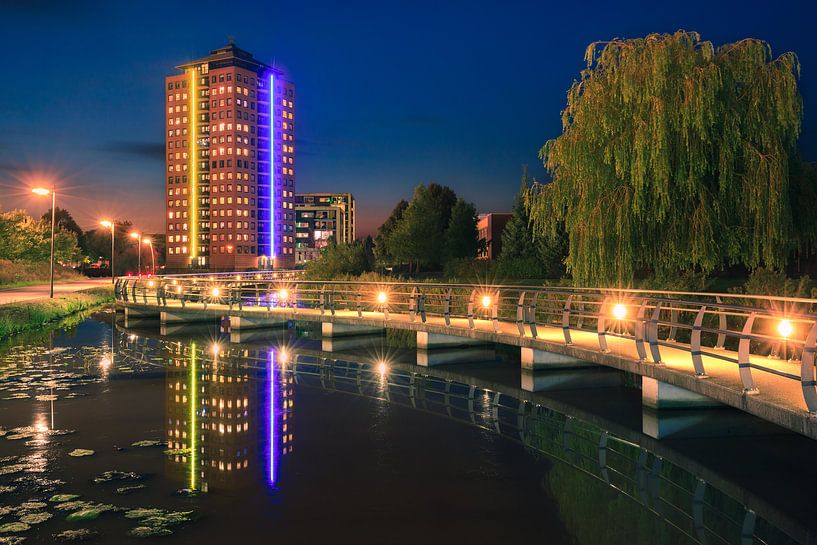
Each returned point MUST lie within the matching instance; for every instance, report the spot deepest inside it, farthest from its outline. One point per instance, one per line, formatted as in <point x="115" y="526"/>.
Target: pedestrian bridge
<point x="754" y="353"/>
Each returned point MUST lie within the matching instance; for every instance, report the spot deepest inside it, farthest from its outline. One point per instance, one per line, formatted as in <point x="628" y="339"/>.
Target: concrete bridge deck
<point x="779" y="398"/>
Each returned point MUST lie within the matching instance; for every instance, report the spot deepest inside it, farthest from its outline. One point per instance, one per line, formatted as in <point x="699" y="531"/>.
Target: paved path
<point x="27" y="293"/>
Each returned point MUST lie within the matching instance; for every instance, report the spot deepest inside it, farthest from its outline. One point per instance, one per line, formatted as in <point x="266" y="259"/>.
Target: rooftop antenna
<point x="230" y="39"/>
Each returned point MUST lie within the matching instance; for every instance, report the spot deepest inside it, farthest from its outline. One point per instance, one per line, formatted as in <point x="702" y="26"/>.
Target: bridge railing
<point x="776" y="335"/>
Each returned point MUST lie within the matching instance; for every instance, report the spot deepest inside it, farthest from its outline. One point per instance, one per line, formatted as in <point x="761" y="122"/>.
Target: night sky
<point x="390" y="94"/>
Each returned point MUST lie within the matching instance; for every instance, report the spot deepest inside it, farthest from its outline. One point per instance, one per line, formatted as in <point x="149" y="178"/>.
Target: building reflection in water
<point x="228" y="420"/>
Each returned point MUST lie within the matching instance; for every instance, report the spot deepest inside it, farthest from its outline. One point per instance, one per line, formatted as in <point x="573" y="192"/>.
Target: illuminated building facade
<point x="230" y="184"/>
<point x="228" y="422"/>
<point x="319" y="217"/>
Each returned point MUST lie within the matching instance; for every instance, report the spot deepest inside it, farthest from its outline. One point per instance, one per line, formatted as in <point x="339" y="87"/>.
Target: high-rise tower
<point x="230" y="164"/>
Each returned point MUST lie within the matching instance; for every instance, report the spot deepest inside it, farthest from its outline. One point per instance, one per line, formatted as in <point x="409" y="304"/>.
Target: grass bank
<point x="14" y="274"/>
<point x="29" y="315"/>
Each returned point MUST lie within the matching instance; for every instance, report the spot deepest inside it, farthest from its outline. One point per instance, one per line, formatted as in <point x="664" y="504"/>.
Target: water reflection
<point x="217" y="408"/>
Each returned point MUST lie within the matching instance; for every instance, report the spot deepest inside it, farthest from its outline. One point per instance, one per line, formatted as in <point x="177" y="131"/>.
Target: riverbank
<point x="29" y="315"/>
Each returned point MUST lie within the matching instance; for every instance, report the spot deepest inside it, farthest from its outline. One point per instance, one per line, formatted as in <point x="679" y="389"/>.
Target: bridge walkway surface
<point x="779" y="396"/>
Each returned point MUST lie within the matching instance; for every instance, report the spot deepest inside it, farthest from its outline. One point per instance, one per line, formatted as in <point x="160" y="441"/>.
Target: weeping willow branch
<point x="675" y="156"/>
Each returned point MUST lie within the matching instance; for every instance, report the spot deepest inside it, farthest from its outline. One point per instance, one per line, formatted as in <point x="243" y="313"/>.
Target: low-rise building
<point x="490" y="227"/>
<point x="319" y="218"/>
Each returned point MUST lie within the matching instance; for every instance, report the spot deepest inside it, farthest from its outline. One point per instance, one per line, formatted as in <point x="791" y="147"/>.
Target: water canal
<point x="124" y="435"/>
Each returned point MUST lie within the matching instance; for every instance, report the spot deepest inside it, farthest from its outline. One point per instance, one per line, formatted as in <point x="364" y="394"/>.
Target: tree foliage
<point x="529" y="254"/>
<point x="461" y="235"/>
<point x="23" y="238"/>
<point x="417" y="233"/>
<point x="674" y="156"/>
<point x="337" y="260"/>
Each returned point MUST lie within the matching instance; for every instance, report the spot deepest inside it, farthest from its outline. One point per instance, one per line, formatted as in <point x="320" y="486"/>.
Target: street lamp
<point x="42" y="191"/>
<point x="149" y="242"/>
<point x="110" y="225"/>
<point x="138" y="237"/>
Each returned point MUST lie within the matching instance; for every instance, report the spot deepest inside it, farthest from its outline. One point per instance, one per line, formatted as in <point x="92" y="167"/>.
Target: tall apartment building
<point x="230" y="164"/>
<point x="319" y="217"/>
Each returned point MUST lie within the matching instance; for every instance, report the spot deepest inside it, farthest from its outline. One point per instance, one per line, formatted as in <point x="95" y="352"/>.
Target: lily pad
<point x="36" y="518"/>
<point x="115" y="475"/>
<point x="128" y="489"/>
<point x="14" y="468"/>
<point x="168" y="519"/>
<point x="7" y="489"/>
<point x="60" y="498"/>
<point x="32" y="505"/>
<point x="14" y="527"/>
<point x="73" y="505"/>
<point x="148" y="443"/>
<point x="11" y="540"/>
<point x="149" y="531"/>
<point x="77" y="452"/>
<point x="177" y="451"/>
<point x="89" y="513"/>
<point x="73" y="536"/>
<point x="142" y="512"/>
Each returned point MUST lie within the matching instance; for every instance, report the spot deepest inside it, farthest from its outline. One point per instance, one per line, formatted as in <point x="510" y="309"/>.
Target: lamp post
<point x="149" y="242"/>
<point x="42" y="191"/>
<point x="138" y="237"/>
<point x="111" y="225"/>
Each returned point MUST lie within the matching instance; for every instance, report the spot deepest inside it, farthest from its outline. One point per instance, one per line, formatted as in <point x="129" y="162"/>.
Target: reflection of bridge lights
<point x="151" y="283"/>
<point x="784" y="328"/>
<point x="215" y="292"/>
<point x="105" y="362"/>
<point x="382" y="297"/>
<point x="215" y="349"/>
<point x="179" y="289"/>
<point x="283" y="357"/>
<point x="131" y="337"/>
<point x="486" y="301"/>
<point x="283" y="294"/>
<point x="382" y="368"/>
<point x="619" y="311"/>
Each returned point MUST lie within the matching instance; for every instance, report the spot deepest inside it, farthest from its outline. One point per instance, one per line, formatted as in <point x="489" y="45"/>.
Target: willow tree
<point x="674" y="156"/>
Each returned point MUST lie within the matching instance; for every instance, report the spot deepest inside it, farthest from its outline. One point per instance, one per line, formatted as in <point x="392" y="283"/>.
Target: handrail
<point x="702" y="324"/>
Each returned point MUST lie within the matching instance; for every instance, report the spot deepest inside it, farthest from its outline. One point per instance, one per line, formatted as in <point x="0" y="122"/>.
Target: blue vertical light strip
<point x="273" y="432"/>
<point x="272" y="165"/>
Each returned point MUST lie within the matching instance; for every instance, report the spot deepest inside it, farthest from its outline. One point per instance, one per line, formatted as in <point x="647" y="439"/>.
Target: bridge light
<point x="283" y="294"/>
<point x="382" y="298"/>
<point x="382" y="368"/>
<point x="619" y="311"/>
<point x="179" y="289"/>
<point x="784" y="328"/>
<point x="258" y="276"/>
<point x="215" y="349"/>
<point x="215" y="292"/>
<point x="105" y="362"/>
<point x="151" y="283"/>
<point x="486" y="301"/>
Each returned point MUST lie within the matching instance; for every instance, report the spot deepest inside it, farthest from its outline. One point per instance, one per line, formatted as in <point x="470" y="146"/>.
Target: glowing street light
<point x="215" y="292"/>
<point x="110" y="225"/>
<point x="785" y="328"/>
<point x="486" y="301"/>
<point x="620" y="311"/>
<point x="138" y="237"/>
<point x="149" y="242"/>
<point x="382" y="298"/>
<point x="43" y="192"/>
<point x="283" y="294"/>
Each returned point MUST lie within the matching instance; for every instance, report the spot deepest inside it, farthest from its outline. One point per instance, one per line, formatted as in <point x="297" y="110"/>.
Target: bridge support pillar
<point x="660" y="395"/>
<point x="240" y="323"/>
<point x="535" y="360"/>
<point x="570" y="379"/>
<point x="447" y="356"/>
<point x="332" y="329"/>
<point x="341" y="344"/>
<point x="135" y="314"/>
<point x="427" y="341"/>
<point x="180" y="317"/>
